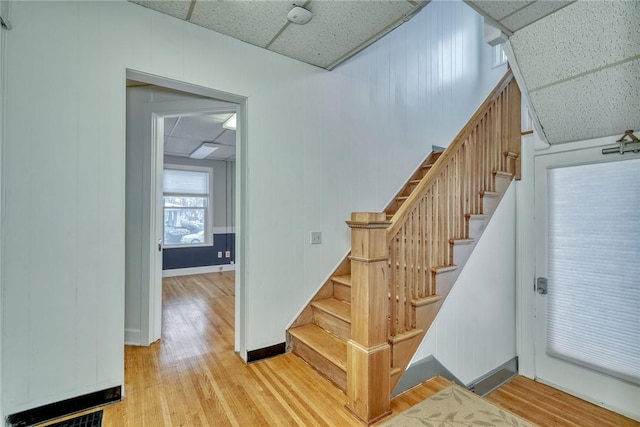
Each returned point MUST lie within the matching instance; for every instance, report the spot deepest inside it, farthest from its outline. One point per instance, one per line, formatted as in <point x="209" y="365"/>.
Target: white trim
<point x="132" y="337"/>
<point x="5" y="11"/>
<point x="241" y="109"/>
<point x="198" y="270"/>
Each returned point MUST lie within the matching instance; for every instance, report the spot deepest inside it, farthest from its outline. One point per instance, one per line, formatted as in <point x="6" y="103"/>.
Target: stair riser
<point x="489" y="204"/>
<point x="475" y="228"/>
<point x="342" y="292"/>
<point x="501" y="184"/>
<point x="424" y="316"/>
<point x="332" y="324"/>
<point x="461" y="253"/>
<point x="320" y="363"/>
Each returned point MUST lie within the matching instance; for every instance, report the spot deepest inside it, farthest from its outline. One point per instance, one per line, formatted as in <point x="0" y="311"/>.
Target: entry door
<point x="587" y="338"/>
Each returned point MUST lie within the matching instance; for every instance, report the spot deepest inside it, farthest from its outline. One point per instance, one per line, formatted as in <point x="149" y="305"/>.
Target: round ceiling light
<point x="299" y="15"/>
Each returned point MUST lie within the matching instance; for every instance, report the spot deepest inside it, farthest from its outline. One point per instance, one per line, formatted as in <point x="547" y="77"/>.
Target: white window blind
<point x="594" y="267"/>
<point x="185" y="182"/>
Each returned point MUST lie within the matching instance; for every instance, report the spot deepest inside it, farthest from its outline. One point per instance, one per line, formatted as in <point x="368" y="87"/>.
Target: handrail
<point x="414" y="199"/>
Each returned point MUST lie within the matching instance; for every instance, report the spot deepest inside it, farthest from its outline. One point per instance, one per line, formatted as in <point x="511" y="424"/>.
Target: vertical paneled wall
<point x="320" y="145"/>
<point x="474" y="331"/>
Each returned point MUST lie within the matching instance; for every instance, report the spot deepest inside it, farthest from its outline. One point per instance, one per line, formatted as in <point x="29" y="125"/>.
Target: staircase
<point x="366" y="322"/>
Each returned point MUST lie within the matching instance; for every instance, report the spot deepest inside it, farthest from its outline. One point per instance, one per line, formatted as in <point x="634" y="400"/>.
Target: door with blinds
<point x="587" y="338"/>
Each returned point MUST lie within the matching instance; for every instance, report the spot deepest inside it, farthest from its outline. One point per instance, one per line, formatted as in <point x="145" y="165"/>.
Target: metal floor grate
<point x="93" y="419"/>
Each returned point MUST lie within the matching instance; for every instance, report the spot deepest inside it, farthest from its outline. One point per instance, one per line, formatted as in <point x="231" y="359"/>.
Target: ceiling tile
<point x="179" y="146"/>
<point x="169" y="124"/>
<point x="200" y="128"/>
<point x="532" y="13"/>
<point x="499" y="9"/>
<point x="337" y="27"/>
<point x="177" y="8"/>
<point x="253" y="21"/>
<point x="564" y="45"/>
<point x="599" y="104"/>
<point x="228" y="138"/>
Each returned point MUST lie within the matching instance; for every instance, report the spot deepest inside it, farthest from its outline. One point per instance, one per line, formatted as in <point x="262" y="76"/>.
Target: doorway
<point x="145" y="231"/>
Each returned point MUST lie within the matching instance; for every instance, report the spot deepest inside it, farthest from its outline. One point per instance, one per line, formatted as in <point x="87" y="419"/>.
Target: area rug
<point x="455" y="406"/>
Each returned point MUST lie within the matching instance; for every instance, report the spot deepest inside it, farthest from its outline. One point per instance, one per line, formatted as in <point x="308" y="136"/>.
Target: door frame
<point x="532" y="153"/>
<point x="152" y="298"/>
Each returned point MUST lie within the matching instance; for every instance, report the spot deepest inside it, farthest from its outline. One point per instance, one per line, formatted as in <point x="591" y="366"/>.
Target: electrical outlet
<point x="219" y="254"/>
<point x="227" y="254"/>
<point x="316" y="237"/>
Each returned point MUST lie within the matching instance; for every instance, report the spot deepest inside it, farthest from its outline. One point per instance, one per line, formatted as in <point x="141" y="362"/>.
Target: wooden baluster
<point x="368" y="352"/>
<point x="393" y="283"/>
<point x="424" y="277"/>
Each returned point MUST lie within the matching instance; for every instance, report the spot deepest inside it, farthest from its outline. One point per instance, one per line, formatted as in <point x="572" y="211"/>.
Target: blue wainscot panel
<point x="173" y="258"/>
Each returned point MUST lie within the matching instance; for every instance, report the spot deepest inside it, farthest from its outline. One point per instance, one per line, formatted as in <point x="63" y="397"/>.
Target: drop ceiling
<point x="182" y="135"/>
<point x="578" y="60"/>
<point x="338" y="29"/>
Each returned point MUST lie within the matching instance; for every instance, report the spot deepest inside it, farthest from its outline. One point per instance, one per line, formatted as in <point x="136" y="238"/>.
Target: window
<point x="187" y="207"/>
<point x="499" y="57"/>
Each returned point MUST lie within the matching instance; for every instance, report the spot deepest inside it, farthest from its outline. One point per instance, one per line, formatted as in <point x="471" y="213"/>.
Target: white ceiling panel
<point x="227" y="138"/>
<point x="169" y="124"/>
<point x="500" y="9"/>
<point x="532" y="13"/>
<point x="200" y="128"/>
<point x="177" y="8"/>
<point x="338" y="27"/>
<point x="597" y="104"/>
<point x="180" y="146"/>
<point x="252" y="21"/>
<point x="579" y="38"/>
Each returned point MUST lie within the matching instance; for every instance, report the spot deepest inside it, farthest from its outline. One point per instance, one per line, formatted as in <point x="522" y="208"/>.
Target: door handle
<point x="159" y="245"/>
<point x="541" y="285"/>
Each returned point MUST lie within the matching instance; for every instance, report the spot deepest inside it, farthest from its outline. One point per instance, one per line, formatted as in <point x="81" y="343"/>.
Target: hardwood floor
<point x="547" y="406"/>
<point x="194" y="378"/>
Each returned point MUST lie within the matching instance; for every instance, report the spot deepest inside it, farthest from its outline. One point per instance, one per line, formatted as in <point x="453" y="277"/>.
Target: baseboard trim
<point x="64" y="407"/>
<point x="495" y="378"/>
<point x="263" y="353"/>
<point x="198" y="270"/>
<point x="132" y="337"/>
<point x="422" y="371"/>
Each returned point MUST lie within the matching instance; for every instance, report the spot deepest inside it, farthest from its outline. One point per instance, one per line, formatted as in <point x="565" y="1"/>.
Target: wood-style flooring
<point x="192" y="377"/>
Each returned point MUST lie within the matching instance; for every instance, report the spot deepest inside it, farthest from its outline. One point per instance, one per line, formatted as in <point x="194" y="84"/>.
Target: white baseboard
<point x="132" y="337"/>
<point x="198" y="270"/>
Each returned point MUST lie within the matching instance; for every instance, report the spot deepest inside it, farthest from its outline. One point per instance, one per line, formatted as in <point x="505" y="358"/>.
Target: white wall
<point x="320" y="145"/>
<point x="474" y="331"/>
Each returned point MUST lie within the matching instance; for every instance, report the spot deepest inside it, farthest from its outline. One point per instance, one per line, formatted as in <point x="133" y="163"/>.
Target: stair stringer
<point x="403" y="350"/>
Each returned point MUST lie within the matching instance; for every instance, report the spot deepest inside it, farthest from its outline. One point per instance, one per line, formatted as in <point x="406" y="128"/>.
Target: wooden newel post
<point x="368" y="351"/>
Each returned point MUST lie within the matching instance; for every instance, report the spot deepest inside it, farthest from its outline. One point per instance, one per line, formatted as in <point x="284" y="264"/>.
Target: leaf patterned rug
<point x="455" y="406"/>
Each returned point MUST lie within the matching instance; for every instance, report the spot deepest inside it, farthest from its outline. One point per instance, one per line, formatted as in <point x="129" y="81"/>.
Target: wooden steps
<point x="342" y="287"/>
<point x="411" y="262"/>
<point x="324" y="351"/>
<point x="333" y="315"/>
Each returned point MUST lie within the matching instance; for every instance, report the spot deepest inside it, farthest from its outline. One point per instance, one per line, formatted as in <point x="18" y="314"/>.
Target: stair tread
<point x="335" y="307"/>
<point x="444" y="268"/>
<point x="477" y="216"/>
<point x="419" y="302"/>
<point x="461" y="241"/>
<point x="490" y="194"/>
<point x="343" y="280"/>
<point x="325" y="343"/>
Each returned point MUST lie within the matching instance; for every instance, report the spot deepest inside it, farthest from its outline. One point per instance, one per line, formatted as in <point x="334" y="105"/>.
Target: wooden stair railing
<point x="364" y="325"/>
